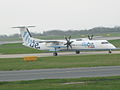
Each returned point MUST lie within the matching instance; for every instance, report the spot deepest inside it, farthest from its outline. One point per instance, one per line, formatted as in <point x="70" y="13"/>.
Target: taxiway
<point x="59" y="54"/>
<point x="59" y="73"/>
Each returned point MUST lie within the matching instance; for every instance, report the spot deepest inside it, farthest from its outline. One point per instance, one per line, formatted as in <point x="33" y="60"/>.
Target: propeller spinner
<point x="68" y="43"/>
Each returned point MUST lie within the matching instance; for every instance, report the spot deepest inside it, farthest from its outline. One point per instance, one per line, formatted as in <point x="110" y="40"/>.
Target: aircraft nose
<point x="113" y="47"/>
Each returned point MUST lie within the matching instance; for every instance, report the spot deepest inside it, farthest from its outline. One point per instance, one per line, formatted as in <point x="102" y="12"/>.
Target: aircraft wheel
<point x="110" y="51"/>
<point x="55" y="54"/>
<point x="77" y="52"/>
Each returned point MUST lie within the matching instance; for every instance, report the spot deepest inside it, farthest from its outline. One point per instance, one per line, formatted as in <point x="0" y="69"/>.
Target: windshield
<point x="104" y="42"/>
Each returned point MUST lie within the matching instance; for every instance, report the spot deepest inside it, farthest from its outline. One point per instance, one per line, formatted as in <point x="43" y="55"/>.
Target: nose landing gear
<point x="77" y="52"/>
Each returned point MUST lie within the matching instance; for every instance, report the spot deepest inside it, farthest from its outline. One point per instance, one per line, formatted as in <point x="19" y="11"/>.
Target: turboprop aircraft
<point x="68" y="44"/>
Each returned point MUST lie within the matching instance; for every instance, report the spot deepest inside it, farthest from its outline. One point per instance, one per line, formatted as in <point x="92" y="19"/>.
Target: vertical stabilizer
<point x="27" y="37"/>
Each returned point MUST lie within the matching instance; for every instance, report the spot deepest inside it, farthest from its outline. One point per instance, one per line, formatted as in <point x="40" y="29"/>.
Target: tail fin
<point x="26" y="36"/>
<point x="24" y="31"/>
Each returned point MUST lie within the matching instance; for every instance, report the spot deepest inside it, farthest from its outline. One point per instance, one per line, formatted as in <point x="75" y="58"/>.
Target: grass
<point x="115" y="42"/>
<point x="60" y="62"/>
<point x="96" y="83"/>
<point x="18" y="48"/>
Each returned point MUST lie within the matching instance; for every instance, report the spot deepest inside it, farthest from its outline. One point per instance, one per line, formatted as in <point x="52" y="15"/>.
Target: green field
<point x="115" y="42"/>
<point x="10" y="39"/>
<point x="98" y="83"/>
<point x="60" y="62"/>
<point x="18" y="48"/>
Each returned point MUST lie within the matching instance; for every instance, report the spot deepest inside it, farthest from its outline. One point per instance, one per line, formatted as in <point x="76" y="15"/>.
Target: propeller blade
<point x="69" y="38"/>
<point x="90" y="37"/>
<point x="71" y="46"/>
<point x="67" y="47"/>
<point x="68" y="43"/>
<point x="72" y="41"/>
<point x="66" y="39"/>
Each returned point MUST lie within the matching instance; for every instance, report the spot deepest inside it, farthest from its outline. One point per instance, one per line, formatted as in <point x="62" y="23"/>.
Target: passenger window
<point x="78" y="39"/>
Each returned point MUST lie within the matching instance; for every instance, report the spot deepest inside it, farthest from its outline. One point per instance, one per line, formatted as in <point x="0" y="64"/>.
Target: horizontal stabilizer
<point x="23" y="27"/>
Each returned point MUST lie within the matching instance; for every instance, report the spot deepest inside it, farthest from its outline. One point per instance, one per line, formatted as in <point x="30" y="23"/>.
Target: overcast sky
<point x="58" y="14"/>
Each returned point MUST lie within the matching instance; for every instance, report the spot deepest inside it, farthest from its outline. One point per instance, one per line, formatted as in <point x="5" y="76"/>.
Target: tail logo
<point x="30" y="42"/>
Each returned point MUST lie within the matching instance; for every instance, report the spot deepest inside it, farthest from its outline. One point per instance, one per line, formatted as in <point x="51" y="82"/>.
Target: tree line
<point x="96" y="30"/>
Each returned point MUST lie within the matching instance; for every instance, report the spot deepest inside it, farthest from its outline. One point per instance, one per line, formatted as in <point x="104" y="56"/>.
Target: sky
<point x="58" y="14"/>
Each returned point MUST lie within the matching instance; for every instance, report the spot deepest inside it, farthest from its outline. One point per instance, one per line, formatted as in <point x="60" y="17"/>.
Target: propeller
<point x="90" y="37"/>
<point x="68" y="43"/>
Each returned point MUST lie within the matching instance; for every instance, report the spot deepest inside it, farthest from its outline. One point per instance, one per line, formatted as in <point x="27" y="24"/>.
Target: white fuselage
<point x="77" y="44"/>
<point x="67" y="44"/>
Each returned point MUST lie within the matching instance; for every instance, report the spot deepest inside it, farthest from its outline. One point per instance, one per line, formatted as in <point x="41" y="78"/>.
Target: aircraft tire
<point x="77" y="52"/>
<point x="55" y="54"/>
<point x="110" y="51"/>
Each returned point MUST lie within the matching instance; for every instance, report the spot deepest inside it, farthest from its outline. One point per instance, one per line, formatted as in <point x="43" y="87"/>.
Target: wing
<point x="58" y="44"/>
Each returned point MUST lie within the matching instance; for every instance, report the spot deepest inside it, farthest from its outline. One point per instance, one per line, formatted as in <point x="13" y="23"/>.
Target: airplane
<point x="77" y="45"/>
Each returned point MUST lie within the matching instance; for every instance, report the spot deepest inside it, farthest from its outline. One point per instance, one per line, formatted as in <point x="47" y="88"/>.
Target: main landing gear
<point x="55" y="54"/>
<point x="109" y="51"/>
<point x="77" y="52"/>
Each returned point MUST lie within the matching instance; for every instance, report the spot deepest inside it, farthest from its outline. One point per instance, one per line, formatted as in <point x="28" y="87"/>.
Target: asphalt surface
<point x="8" y="42"/>
<point x="59" y="73"/>
<point x="59" y="54"/>
<point x="106" y="38"/>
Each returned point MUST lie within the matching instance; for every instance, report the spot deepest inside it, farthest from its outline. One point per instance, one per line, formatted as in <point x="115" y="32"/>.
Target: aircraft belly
<point x="83" y="47"/>
<point x="75" y="47"/>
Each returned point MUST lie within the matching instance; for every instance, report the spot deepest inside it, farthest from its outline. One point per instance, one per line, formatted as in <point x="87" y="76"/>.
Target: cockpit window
<point x="104" y="42"/>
